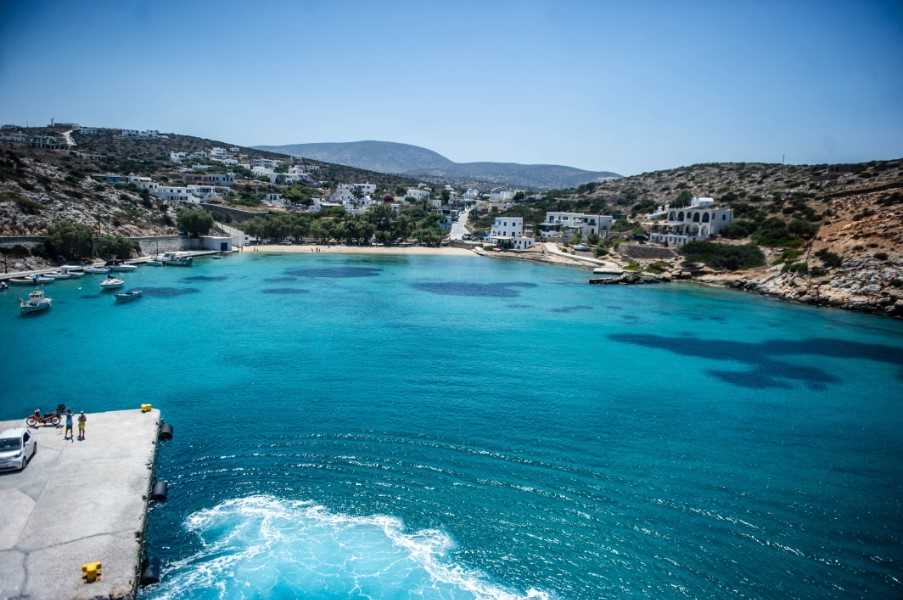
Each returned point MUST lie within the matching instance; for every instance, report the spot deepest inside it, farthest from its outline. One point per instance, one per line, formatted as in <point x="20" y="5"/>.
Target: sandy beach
<point x="339" y="249"/>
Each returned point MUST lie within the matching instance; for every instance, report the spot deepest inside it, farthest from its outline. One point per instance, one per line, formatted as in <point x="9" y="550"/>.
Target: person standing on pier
<point x="82" y="419"/>
<point x="68" y="434"/>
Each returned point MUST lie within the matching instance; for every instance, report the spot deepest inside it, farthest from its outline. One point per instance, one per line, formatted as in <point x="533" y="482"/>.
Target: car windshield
<point x="8" y="444"/>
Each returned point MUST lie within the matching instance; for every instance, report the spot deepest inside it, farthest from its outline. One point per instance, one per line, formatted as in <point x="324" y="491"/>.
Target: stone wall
<point x="153" y="244"/>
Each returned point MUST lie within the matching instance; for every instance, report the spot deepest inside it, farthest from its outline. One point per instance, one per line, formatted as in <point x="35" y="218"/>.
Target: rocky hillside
<point x="39" y="187"/>
<point x="832" y="234"/>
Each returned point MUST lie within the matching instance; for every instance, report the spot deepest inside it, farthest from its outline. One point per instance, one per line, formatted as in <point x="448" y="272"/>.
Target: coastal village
<point x="710" y="233"/>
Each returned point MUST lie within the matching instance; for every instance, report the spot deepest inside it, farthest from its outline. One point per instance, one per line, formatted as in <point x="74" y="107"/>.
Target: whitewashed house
<point x="275" y="200"/>
<point x="176" y="194"/>
<point x="697" y="222"/>
<point x="418" y="193"/>
<point x="508" y="233"/>
<point x="560" y="225"/>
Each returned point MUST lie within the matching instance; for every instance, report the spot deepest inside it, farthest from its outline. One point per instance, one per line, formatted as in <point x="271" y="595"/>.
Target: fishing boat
<point x="122" y="297"/>
<point x="101" y="270"/>
<point x="111" y="283"/>
<point x="154" y="263"/>
<point x="123" y="268"/>
<point x="170" y="259"/>
<point x="21" y="281"/>
<point x="74" y="271"/>
<point x="37" y="302"/>
<point x="57" y="275"/>
<point x="42" y="278"/>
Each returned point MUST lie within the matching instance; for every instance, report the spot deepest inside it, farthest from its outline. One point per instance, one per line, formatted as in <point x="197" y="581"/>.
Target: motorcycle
<point x="51" y="418"/>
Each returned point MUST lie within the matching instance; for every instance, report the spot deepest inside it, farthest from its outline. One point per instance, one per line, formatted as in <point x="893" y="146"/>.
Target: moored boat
<point x="111" y="283"/>
<point x="171" y="259"/>
<point x="21" y="281"/>
<point x="57" y="275"/>
<point x="37" y="302"/>
<point x="123" y="268"/>
<point x="101" y="270"/>
<point x="122" y="297"/>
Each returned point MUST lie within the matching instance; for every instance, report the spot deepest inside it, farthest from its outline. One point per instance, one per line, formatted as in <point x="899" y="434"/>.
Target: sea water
<point x="456" y="427"/>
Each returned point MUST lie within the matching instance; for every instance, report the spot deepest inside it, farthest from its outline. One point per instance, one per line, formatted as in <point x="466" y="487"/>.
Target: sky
<point x="621" y="86"/>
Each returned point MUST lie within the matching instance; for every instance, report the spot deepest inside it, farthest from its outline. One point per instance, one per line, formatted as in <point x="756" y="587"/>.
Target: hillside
<point x="38" y="186"/>
<point x="415" y="161"/>
<point x="831" y="234"/>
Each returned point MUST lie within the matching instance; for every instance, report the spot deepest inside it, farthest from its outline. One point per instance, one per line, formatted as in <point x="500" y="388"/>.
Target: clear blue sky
<point x="627" y="86"/>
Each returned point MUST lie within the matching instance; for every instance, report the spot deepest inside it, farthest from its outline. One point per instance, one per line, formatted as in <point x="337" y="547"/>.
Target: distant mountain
<point x="415" y="161"/>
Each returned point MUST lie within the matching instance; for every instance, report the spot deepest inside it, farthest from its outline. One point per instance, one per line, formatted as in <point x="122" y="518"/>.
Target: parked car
<point x="581" y="247"/>
<point x="17" y="447"/>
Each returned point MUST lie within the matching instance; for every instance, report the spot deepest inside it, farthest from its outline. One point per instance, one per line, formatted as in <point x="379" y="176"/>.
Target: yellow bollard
<point x="145" y="408"/>
<point x="91" y="571"/>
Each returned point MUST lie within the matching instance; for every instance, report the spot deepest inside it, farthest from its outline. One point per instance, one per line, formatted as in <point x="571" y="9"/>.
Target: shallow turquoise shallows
<point x="437" y="427"/>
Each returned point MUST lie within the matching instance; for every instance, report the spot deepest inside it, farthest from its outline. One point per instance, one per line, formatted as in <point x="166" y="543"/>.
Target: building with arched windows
<point x="699" y="221"/>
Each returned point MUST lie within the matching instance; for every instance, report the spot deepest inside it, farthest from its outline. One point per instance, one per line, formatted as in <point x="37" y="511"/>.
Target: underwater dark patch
<point x="518" y="305"/>
<point x="284" y="291"/>
<point x="90" y="296"/>
<point x="613" y="307"/>
<point x="488" y="290"/>
<point x="335" y="272"/>
<point x="204" y="278"/>
<point x="766" y="369"/>
<point x="168" y="292"/>
<point x="570" y="309"/>
<point x="280" y="279"/>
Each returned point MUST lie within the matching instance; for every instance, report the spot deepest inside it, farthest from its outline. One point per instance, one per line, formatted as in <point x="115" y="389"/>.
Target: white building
<point x="564" y="225"/>
<point x="176" y="194"/>
<point x="268" y="163"/>
<point x="472" y="194"/>
<point x="144" y="183"/>
<point x="508" y="233"/>
<point x="274" y="199"/>
<point x="697" y="222"/>
<point x="349" y="191"/>
<point x="220" y="179"/>
<point x="206" y="193"/>
<point x="178" y="157"/>
<point x="502" y="196"/>
<point x="417" y="193"/>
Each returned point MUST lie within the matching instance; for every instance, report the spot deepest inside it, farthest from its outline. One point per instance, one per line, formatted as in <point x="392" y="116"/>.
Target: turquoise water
<point x="436" y="427"/>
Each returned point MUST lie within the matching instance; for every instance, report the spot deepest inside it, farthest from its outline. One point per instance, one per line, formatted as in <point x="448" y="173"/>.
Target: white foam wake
<point x="264" y="547"/>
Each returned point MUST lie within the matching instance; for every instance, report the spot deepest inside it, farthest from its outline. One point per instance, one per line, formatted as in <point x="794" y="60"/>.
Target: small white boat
<point x="21" y="281"/>
<point x="154" y="263"/>
<point x="123" y="268"/>
<point x="111" y="283"/>
<point x="37" y="302"/>
<point x="128" y="296"/>
<point x="57" y="275"/>
<point x="42" y="278"/>
<point x="171" y="259"/>
<point x="102" y="270"/>
<point x="74" y="271"/>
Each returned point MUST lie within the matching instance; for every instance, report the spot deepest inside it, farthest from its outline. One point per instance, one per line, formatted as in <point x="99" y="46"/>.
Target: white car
<point x="17" y="447"/>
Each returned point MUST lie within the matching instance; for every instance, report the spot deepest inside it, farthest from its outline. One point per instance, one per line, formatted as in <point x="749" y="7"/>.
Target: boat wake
<point x="264" y="547"/>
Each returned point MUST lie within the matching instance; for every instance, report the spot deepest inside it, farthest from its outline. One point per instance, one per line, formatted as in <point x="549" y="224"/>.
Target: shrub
<point x="881" y="255"/>
<point x="798" y="267"/>
<point x="68" y="239"/>
<point x="828" y="258"/>
<point x="115" y="246"/>
<point x="738" y="229"/>
<point x="724" y="256"/>
<point x="194" y="221"/>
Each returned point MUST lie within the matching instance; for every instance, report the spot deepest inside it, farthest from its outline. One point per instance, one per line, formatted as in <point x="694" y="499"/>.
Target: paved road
<point x="552" y="248"/>
<point x="67" y="135"/>
<point x="76" y="502"/>
<point x="459" y="227"/>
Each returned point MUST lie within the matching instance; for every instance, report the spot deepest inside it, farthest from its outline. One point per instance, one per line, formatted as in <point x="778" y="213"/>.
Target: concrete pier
<point x="77" y="502"/>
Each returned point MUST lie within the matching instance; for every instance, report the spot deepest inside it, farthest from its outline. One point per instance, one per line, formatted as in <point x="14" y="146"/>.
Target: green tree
<point x="115" y="246"/>
<point x="194" y="221"/>
<point x="70" y="240"/>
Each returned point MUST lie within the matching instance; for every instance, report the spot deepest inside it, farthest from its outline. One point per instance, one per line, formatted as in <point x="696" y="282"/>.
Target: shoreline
<point x="342" y="249"/>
